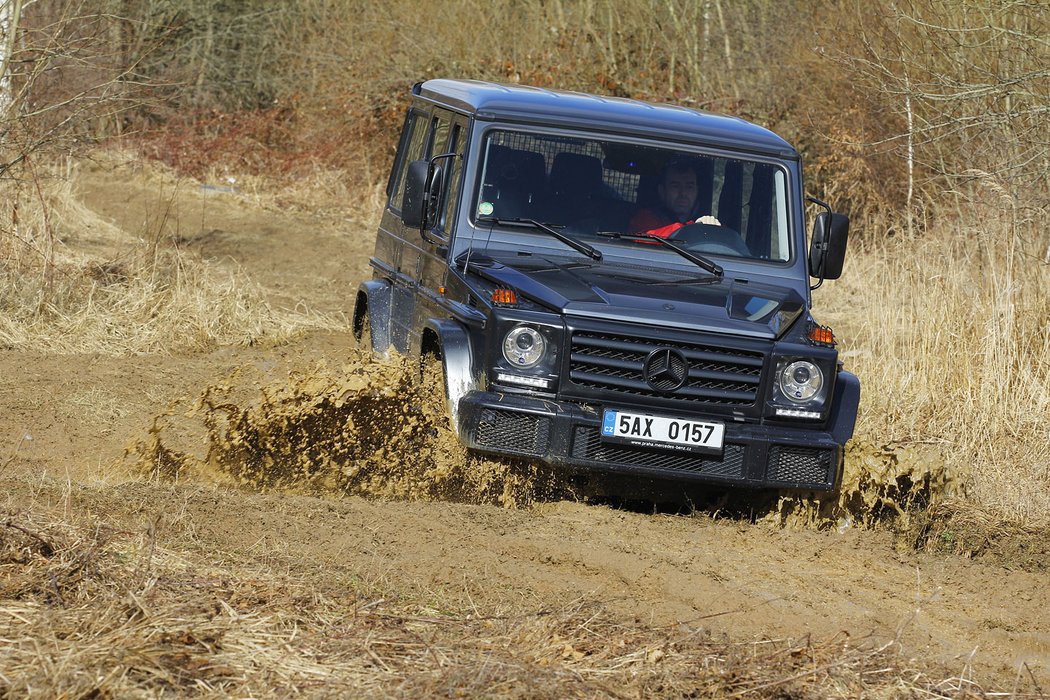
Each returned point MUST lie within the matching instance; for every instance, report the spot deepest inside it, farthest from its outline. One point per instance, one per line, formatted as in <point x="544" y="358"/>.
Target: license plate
<point x="662" y="431"/>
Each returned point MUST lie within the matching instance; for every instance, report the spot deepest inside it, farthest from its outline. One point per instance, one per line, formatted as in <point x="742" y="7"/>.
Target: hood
<point x="676" y="299"/>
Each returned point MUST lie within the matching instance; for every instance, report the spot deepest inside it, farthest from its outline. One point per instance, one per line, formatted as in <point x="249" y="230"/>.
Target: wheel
<point x="434" y="385"/>
<point x="363" y="332"/>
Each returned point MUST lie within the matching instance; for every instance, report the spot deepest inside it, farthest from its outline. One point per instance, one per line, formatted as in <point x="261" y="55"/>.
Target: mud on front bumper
<point x="754" y="456"/>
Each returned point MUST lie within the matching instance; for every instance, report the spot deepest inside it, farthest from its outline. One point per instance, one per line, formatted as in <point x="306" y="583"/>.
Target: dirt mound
<point x="165" y="623"/>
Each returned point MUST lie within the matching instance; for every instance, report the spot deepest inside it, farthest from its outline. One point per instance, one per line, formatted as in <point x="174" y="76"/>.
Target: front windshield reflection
<point x="704" y="203"/>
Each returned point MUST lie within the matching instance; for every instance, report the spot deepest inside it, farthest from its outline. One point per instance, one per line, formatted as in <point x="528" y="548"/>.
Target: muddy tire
<point x="435" y="387"/>
<point x="363" y="332"/>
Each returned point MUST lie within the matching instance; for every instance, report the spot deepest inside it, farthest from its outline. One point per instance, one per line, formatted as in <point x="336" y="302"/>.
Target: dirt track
<point x="744" y="580"/>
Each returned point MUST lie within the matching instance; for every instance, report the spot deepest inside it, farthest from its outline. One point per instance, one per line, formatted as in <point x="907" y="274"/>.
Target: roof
<point x="524" y="104"/>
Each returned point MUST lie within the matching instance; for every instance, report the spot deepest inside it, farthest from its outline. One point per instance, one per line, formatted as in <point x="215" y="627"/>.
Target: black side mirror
<point x="413" y="200"/>
<point x="827" y="249"/>
<point x="434" y="187"/>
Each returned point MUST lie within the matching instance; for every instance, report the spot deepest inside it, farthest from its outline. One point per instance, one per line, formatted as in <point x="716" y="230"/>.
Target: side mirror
<point x="413" y="200"/>
<point x="421" y="202"/>
<point x="827" y="249"/>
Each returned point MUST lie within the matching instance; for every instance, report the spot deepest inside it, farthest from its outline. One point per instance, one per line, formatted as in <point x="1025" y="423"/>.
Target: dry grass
<point x="963" y="528"/>
<point x="329" y="192"/>
<point x="71" y="281"/>
<point x="93" y="609"/>
<point x="950" y="334"/>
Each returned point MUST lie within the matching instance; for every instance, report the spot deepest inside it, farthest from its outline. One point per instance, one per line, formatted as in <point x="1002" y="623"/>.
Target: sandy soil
<point x="73" y="417"/>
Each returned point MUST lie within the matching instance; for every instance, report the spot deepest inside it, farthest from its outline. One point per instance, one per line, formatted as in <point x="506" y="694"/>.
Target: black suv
<point x="613" y="285"/>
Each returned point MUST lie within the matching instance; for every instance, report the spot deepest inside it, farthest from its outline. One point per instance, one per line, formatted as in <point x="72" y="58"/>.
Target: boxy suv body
<point x="687" y="353"/>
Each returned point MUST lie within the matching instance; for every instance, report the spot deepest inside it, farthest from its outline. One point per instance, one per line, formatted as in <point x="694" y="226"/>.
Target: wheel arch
<point x="450" y="342"/>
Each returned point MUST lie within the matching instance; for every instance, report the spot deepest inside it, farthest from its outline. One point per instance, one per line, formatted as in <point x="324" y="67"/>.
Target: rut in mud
<point x="378" y="429"/>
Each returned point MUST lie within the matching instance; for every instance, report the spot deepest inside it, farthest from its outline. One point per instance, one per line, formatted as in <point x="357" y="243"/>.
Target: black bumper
<point x="754" y="456"/>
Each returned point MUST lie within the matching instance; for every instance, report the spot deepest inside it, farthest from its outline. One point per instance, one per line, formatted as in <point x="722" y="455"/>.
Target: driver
<point x="677" y="190"/>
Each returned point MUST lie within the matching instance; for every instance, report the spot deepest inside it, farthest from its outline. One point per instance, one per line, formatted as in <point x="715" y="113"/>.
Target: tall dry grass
<point x="949" y="331"/>
<point x="73" y="281"/>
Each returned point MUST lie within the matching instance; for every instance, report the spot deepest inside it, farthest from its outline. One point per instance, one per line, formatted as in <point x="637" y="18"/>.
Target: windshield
<point x="587" y="186"/>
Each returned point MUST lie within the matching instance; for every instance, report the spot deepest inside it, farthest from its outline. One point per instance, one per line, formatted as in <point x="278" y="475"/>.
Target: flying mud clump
<point x="373" y="429"/>
<point x="886" y="483"/>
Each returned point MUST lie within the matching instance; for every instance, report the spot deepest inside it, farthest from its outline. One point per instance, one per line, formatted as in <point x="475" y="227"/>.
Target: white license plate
<point x="661" y="431"/>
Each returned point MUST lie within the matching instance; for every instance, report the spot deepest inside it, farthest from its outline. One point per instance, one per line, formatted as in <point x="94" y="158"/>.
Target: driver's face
<point x="678" y="192"/>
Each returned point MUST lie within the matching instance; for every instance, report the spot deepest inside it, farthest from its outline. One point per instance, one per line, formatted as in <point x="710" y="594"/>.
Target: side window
<point x="414" y="144"/>
<point x="439" y="140"/>
<point x="454" y="168"/>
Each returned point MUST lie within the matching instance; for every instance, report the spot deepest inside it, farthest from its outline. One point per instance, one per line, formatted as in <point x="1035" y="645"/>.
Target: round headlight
<point x="524" y="346"/>
<point x="801" y="380"/>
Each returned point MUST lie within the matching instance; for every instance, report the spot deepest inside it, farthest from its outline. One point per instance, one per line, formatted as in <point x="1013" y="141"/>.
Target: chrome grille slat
<point x="645" y="347"/>
<point x="615" y="364"/>
<point x="721" y="376"/>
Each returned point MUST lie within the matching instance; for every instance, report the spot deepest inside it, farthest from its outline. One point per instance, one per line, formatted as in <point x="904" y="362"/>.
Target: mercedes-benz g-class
<point x="613" y="285"/>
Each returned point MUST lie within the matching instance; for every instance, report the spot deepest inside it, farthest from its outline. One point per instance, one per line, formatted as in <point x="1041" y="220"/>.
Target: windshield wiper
<point x="588" y="250"/>
<point x="698" y="260"/>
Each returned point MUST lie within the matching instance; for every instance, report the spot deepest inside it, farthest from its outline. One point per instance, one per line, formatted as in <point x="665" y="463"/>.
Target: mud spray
<point x="378" y="430"/>
<point x="880" y="483"/>
<point x="372" y="429"/>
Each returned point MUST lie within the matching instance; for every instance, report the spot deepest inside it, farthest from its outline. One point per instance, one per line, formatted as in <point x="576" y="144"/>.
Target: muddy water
<point x="377" y="429"/>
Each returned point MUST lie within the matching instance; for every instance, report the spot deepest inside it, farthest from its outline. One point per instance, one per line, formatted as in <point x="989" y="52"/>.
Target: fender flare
<point x="374" y="298"/>
<point x="847" y="403"/>
<point x="457" y="358"/>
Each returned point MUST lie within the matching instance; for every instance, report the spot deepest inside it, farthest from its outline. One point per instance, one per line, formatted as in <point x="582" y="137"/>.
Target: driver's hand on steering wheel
<point x="708" y="219"/>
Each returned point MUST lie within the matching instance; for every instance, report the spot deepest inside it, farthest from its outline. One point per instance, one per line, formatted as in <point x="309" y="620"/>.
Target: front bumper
<point x="754" y="456"/>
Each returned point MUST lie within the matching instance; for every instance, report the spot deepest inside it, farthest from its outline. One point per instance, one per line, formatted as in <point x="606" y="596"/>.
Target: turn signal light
<point x="504" y="297"/>
<point x="822" y="335"/>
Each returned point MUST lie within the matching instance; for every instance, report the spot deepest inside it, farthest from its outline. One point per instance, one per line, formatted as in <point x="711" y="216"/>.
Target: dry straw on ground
<point x="73" y="281"/>
<point x="111" y="609"/>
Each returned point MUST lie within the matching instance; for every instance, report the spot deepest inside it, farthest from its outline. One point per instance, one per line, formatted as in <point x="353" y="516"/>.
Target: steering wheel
<point x="711" y="238"/>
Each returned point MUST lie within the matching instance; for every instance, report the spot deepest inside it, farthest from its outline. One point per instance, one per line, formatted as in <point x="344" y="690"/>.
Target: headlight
<point x="800" y="380"/>
<point x="524" y="346"/>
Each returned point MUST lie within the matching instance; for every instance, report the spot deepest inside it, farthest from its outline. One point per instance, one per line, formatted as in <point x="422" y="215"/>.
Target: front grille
<point x="511" y="431"/>
<point x="800" y="464"/>
<point x="587" y="444"/>
<point x="615" y="364"/>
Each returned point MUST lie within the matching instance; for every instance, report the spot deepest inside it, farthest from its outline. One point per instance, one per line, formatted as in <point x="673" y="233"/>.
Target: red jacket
<point x="654" y="223"/>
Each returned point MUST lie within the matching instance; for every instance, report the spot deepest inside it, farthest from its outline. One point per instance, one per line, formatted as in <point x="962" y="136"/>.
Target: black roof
<point x="520" y="103"/>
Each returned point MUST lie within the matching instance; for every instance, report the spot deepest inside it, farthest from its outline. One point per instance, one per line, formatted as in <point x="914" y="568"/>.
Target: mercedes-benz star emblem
<point x="666" y="369"/>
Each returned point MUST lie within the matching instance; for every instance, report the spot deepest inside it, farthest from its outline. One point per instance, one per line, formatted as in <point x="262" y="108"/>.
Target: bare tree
<point x="972" y="81"/>
<point x="10" y="12"/>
